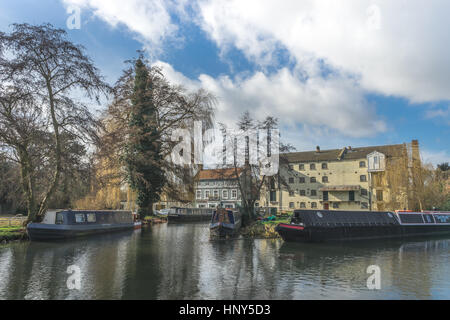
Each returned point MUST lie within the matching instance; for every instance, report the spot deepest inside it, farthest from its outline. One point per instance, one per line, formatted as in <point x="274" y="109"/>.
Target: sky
<point x="335" y="73"/>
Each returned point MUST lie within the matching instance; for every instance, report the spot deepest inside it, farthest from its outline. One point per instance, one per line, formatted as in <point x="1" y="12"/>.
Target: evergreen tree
<point x="143" y="153"/>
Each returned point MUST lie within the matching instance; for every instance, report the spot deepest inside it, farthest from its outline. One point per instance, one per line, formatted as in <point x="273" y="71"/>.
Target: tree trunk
<point x="26" y="173"/>
<point x="44" y="203"/>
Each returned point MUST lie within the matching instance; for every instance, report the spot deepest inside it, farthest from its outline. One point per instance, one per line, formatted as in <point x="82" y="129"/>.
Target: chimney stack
<point x="317" y="149"/>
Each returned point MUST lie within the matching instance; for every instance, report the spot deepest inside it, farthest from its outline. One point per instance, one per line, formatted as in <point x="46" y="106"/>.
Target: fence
<point x="12" y="221"/>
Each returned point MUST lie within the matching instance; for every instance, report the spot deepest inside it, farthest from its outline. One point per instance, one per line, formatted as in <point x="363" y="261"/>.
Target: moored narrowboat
<point x="328" y="225"/>
<point x="225" y="223"/>
<point x="182" y="215"/>
<point x="65" y="224"/>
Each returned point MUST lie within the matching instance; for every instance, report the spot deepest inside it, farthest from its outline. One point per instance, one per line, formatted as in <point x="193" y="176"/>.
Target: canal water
<point x="179" y="262"/>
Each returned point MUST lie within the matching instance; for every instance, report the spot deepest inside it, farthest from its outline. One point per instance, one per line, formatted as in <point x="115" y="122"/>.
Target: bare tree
<point x="251" y="179"/>
<point x="51" y="71"/>
<point x="176" y="108"/>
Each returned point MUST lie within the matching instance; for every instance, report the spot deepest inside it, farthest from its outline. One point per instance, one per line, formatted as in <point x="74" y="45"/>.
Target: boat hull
<point x="292" y="233"/>
<point x="49" y="232"/>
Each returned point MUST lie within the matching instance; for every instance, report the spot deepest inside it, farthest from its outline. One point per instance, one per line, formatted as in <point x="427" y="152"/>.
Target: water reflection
<point x="179" y="262"/>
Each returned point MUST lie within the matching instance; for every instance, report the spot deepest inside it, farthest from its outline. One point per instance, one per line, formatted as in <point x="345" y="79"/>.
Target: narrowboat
<point x="327" y="225"/>
<point x="181" y="215"/>
<point x="225" y="223"/>
<point x="65" y="224"/>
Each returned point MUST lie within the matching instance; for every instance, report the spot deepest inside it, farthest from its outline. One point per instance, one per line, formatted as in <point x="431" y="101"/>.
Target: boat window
<point x="91" y="217"/>
<point x="80" y="218"/>
<point x="59" y="218"/>
<point x="442" y="218"/>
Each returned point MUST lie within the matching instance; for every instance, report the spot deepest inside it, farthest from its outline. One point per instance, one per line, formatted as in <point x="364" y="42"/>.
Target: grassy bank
<point x="13" y="233"/>
<point x="261" y="229"/>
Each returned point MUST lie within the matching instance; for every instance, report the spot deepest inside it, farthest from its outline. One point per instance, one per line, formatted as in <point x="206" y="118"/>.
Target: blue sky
<point x="361" y="73"/>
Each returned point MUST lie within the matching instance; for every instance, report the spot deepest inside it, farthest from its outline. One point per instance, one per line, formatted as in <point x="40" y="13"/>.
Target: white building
<point x="216" y="186"/>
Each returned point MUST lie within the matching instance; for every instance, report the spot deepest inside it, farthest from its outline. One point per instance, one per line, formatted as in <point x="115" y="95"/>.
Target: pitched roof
<point x="395" y="150"/>
<point x="218" y="174"/>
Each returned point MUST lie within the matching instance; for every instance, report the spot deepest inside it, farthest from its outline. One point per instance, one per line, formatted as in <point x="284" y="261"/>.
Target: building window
<point x="207" y="194"/>
<point x="379" y="195"/>
<point x="335" y="205"/>
<point x="273" y="196"/>
<point x="291" y="193"/>
<point x="301" y="167"/>
<point x="313" y="179"/>
<point x="225" y="194"/>
<point x="302" y="180"/>
<point x="199" y="194"/>
<point x="302" y="205"/>
<point x="291" y="205"/>
<point x="312" y="166"/>
<point x="325" y="179"/>
<point x="362" y="164"/>
<point x="325" y="196"/>
<point x="291" y="180"/>
<point x="302" y="192"/>
<point x="364" y="205"/>
<point x="313" y="204"/>
<point x="363" y="178"/>
<point x="351" y="195"/>
<point x="364" y="192"/>
<point x="313" y="193"/>
<point x="272" y="183"/>
<point x="233" y="194"/>
<point x="291" y="167"/>
<point x="324" y="165"/>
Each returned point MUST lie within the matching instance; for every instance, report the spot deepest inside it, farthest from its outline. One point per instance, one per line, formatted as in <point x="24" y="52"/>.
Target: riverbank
<point x="149" y="220"/>
<point x="261" y="230"/>
<point x="15" y="233"/>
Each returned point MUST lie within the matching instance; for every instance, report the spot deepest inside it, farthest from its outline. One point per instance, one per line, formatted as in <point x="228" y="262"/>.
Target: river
<point x="179" y="262"/>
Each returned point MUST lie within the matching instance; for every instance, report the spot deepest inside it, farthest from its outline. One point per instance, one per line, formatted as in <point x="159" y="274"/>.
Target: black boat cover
<point x="328" y="218"/>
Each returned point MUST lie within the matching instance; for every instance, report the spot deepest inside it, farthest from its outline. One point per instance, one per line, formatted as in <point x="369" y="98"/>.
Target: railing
<point x="198" y="211"/>
<point x="12" y="221"/>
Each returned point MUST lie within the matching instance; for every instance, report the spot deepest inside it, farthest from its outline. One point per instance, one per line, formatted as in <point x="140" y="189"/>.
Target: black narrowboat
<point x="225" y="223"/>
<point x="328" y="225"/>
<point x="181" y="215"/>
<point x="65" y="224"/>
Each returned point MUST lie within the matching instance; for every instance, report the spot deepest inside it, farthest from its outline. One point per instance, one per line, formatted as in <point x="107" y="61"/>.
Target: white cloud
<point x="389" y="47"/>
<point x="331" y="105"/>
<point x="149" y="20"/>
<point x="442" y="114"/>
<point x="394" y="47"/>
<point x="434" y="157"/>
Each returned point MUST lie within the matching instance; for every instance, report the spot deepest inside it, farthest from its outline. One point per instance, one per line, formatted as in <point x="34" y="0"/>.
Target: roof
<point x="218" y="174"/>
<point x="341" y="188"/>
<point x="347" y="153"/>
